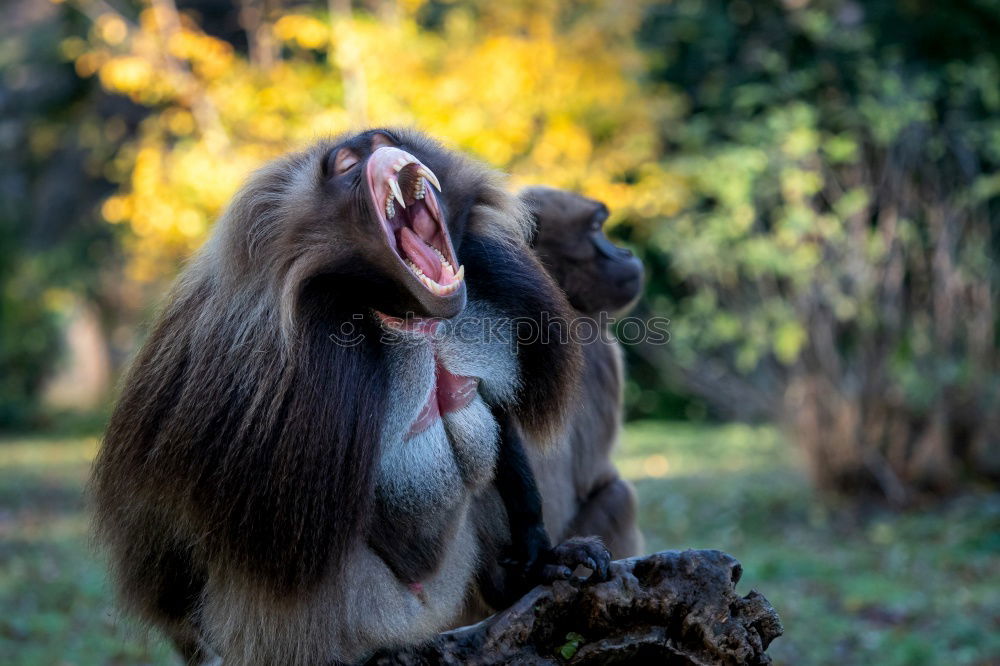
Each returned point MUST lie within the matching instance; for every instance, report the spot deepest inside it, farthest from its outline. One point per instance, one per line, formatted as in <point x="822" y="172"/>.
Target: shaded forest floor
<point x="920" y="588"/>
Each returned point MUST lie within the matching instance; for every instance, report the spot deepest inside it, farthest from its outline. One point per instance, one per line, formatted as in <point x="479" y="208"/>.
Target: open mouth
<point x="401" y="188"/>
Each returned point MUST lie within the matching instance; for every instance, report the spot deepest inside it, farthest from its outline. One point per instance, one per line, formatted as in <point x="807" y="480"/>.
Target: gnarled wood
<point x="668" y="608"/>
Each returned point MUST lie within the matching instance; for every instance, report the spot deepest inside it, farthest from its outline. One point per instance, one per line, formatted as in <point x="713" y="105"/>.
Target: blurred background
<point x="812" y="185"/>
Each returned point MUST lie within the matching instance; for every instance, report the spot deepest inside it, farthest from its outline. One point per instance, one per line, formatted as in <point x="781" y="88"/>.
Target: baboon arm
<point x="610" y="513"/>
<point x="519" y="492"/>
<point x="531" y="559"/>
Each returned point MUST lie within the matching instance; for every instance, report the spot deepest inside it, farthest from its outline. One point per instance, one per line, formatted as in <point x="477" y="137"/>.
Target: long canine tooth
<point x="396" y="192"/>
<point x="460" y="275"/>
<point x="429" y="175"/>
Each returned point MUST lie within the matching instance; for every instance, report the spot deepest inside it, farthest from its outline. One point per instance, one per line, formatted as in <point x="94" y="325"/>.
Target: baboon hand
<point x="561" y="562"/>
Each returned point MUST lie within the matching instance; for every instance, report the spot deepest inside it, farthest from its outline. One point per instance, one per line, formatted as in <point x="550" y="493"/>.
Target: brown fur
<point x="581" y="490"/>
<point x="235" y="485"/>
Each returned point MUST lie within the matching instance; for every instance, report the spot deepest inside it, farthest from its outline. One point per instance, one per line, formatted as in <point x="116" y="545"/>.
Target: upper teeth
<point x="429" y="175"/>
<point x="396" y="192"/>
<point x="422" y="170"/>
<point x="425" y="176"/>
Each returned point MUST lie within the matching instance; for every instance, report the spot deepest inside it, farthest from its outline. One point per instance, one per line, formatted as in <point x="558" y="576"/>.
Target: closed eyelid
<point x="344" y="160"/>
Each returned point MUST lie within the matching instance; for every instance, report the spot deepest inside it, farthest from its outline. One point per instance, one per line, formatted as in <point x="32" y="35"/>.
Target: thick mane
<point x="246" y="439"/>
<point x="252" y="441"/>
<point x="509" y="277"/>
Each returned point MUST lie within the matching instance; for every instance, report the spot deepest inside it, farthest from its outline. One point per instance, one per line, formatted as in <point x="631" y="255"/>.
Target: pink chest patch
<point x="451" y="392"/>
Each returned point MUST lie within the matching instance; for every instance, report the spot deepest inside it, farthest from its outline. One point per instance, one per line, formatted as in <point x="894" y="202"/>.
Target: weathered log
<point x="668" y="608"/>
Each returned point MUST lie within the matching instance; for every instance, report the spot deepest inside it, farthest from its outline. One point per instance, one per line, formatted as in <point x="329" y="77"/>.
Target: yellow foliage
<point x="117" y="209"/>
<point x="111" y="29"/>
<point x="308" y="32"/>
<point x="126" y="74"/>
<point x="522" y="88"/>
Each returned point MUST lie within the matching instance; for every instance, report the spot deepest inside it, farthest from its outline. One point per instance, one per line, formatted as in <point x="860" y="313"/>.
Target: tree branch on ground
<point x="674" y="608"/>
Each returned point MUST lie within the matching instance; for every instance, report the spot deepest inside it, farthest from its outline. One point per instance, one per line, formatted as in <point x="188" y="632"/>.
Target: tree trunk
<point x="668" y="608"/>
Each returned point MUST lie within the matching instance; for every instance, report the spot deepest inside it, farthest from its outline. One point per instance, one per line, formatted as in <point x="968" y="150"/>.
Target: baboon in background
<point x="581" y="490"/>
<point x="581" y="493"/>
<point x="278" y="484"/>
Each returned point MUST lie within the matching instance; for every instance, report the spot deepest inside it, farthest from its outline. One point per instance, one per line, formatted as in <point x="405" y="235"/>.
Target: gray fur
<point x="336" y="622"/>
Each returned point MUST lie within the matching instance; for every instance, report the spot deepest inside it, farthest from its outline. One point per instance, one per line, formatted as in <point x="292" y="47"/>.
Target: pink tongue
<point x="420" y="253"/>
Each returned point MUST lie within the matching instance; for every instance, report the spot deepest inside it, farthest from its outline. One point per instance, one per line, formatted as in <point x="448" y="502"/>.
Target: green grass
<point x="886" y="589"/>
<point x="55" y="608"/>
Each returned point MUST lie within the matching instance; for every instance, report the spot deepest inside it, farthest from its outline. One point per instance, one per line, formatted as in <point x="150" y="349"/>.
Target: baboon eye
<point x="342" y="161"/>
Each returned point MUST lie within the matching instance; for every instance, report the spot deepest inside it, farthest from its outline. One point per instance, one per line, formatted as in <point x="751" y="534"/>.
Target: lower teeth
<point x="431" y="283"/>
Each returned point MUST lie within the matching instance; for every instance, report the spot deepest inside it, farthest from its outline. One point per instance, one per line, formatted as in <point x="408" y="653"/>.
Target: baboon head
<point x="382" y="213"/>
<point x="596" y="274"/>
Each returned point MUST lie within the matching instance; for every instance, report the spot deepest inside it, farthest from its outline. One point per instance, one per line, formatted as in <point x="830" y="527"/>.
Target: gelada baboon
<point x="597" y="277"/>
<point x="289" y="473"/>
<point x="581" y="493"/>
